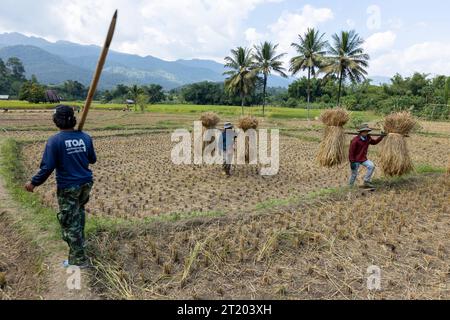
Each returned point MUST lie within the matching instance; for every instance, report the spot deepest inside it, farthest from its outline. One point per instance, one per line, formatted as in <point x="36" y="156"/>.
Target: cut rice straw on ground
<point x="395" y="159"/>
<point x="332" y="149"/>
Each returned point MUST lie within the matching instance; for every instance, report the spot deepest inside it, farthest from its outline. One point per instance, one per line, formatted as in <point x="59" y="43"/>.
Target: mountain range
<point x="56" y="62"/>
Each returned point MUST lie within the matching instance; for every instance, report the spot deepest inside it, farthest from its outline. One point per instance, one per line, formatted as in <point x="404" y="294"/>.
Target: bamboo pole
<point x="371" y="134"/>
<point x="98" y="72"/>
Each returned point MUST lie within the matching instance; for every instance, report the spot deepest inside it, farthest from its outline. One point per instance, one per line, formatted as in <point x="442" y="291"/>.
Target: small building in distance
<point x="52" y="97"/>
<point x="4" y="97"/>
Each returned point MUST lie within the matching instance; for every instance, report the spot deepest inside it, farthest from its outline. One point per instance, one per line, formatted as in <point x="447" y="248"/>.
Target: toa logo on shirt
<point x="75" y="146"/>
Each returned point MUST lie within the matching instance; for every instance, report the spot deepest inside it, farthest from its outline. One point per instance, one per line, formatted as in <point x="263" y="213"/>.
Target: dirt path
<point x="55" y="276"/>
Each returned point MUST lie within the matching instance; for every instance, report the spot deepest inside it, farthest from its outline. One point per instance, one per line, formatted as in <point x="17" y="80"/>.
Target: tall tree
<point x="16" y="67"/>
<point x="32" y="91"/>
<point x="3" y="69"/>
<point x="107" y="96"/>
<point x="5" y="84"/>
<point x="347" y="59"/>
<point x="142" y="100"/>
<point x="121" y="91"/>
<point x="74" y="90"/>
<point x="267" y="61"/>
<point x="311" y="51"/>
<point x="155" y="93"/>
<point x="134" y="93"/>
<point x="447" y="91"/>
<point x="243" y="74"/>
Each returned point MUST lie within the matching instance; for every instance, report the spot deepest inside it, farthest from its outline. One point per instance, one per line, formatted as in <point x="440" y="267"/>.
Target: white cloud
<point x="169" y="29"/>
<point x="290" y="25"/>
<point x="395" y="23"/>
<point x="422" y="24"/>
<point x="426" y="57"/>
<point x="380" y="41"/>
<point x="286" y="29"/>
<point x="253" y="37"/>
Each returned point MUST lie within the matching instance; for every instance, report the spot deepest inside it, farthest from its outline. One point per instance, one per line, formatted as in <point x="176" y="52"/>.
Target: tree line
<point x="12" y="76"/>
<point x="343" y="59"/>
<point x="344" y="82"/>
<point x="424" y="96"/>
<point x="14" y="83"/>
<point x="343" y="65"/>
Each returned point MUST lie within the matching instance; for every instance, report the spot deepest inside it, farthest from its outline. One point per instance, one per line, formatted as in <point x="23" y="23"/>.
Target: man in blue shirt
<point x="70" y="153"/>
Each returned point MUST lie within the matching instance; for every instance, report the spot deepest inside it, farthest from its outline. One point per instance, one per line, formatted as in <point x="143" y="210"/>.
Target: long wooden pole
<point x="98" y="72"/>
<point x="372" y="134"/>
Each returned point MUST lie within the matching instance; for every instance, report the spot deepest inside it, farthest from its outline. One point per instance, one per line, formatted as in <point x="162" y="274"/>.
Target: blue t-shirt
<point x="70" y="153"/>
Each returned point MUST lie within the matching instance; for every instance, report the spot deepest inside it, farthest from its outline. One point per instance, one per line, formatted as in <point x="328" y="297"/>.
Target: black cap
<point x="64" y="111"/>
<point x="64" y="117"/>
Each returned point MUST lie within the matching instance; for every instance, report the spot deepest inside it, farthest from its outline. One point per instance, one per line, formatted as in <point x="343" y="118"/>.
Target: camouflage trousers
<point x="72" y="218"/>
<point x="227" y="161"/>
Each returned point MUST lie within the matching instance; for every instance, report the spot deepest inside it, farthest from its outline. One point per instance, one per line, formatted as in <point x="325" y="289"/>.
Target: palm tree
<point x="134" y="93"/>
<point x="266" y="61"/>
<point x="347" y="59"/>
<point x="243" y="76"/>
<point x="311" y="50"/>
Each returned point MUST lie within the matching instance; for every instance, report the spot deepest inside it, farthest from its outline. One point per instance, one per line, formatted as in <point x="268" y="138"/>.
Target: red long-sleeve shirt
<point x="359" y="148"/>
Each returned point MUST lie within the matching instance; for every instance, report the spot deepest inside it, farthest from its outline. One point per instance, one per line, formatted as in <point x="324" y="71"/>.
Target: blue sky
<point x="402" y="36"/>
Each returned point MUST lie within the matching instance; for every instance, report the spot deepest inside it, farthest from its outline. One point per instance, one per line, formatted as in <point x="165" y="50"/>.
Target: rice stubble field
<point x="298" y="235"/>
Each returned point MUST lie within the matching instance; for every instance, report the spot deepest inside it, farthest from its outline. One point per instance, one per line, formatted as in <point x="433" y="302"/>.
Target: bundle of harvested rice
<point x="332" y="149"/>
<point x="210" y="120"/>
<point x="395" y="159"/>
<point x="335" y="117"/>
<point x="247" y="123"/>
<point x="401" y="122"/>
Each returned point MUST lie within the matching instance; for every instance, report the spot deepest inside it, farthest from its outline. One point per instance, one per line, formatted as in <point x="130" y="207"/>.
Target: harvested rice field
<point x="157" y="230"/>
<point x="151" y="184"/>
<point x="136" y="178"/>
<point x="318" y="249"/>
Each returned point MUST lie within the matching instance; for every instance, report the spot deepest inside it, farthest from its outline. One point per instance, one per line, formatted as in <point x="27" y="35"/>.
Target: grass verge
<point x="35" y="214"/>
<point x="276" y="203"/>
